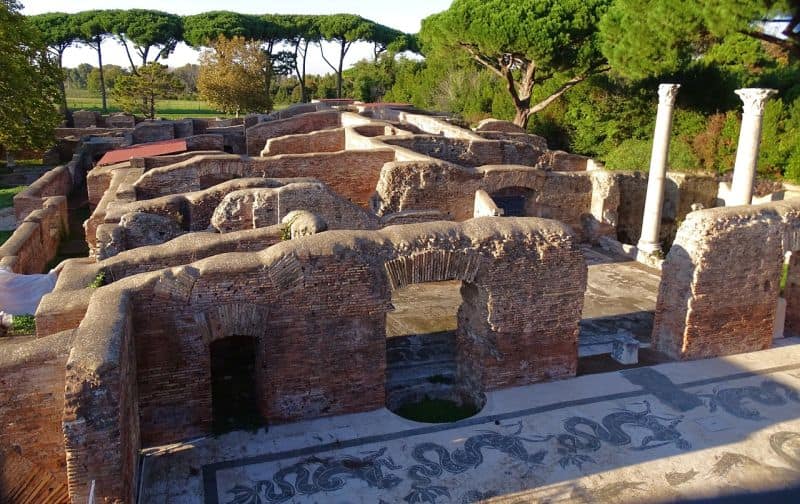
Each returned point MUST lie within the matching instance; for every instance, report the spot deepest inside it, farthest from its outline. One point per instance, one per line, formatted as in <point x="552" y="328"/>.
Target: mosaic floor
<point x="671" y="431"/>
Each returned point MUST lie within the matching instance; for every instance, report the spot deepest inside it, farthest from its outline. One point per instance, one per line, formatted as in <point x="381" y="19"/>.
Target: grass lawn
<point x="5" y="235"/>
<point x="7" y="195"/>
<point x="168" y="109"/>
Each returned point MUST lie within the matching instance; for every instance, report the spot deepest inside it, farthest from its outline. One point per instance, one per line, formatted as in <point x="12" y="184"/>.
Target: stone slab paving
<point x="676" y="430"/>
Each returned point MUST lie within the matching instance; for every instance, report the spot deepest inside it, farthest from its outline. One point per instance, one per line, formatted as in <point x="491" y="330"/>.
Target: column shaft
<point x="654" y="201"/>
<point x="744" y="171"/>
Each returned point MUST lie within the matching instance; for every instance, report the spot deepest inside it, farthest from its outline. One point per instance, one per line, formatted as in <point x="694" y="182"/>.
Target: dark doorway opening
<point x="513" y="206"/>
<point x="516" y="202"/>
<point x="234" y="402"/>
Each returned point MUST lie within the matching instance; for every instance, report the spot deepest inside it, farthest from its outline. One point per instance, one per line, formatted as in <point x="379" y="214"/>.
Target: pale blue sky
<point x="403" y="15"/>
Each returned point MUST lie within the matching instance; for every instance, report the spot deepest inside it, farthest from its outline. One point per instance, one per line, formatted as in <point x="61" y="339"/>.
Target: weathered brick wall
<point x="35" y="241"/>
<point x="32" y="454"/>
<point x="312" y="300"/>
<point x="720" y="283"/>
<point x="317" y="141"/>
<point x="352" y="174"/>
<point x="425" y="124"/>
<point x="56" y="182"/>
<point x="192" y="211"/>
<point x="205" y="142"/>
<point x="254" y="208"/>
<point x="680" y="192"/>
<point x="62" y="310"/>
<point x="468" y="152"/>
<point x="153" y="131"/>
<point x="256" y="136"/>
<point x="450" y="189"/>
<point x="85" y="118"/>
<point x="100" y="415"/>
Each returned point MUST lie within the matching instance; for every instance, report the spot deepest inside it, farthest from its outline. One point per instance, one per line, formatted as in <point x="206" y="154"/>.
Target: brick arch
<point x="432" y="266"/>
<point x="318" y="305"/>
<point x="232" y="319"/>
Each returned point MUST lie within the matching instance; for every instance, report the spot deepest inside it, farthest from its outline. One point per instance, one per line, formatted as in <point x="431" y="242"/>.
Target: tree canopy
<point x="235" y="76"/>
<point x="139" y="92"/>
<point x="641" y="38"/>
<point x="524" y="42"/>
<point x="28" y="84"/>
<point x="147" y="30"/>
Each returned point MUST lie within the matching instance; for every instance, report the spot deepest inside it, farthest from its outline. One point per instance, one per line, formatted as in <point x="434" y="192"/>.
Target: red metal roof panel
<point x="143" y="150"/>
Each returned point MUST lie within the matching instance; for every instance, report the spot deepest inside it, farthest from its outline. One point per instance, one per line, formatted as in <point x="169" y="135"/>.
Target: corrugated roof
<point x="143" y="150"/>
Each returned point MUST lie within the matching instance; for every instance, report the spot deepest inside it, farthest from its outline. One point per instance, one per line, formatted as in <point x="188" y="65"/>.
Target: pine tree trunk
<point x="102" y="78"/>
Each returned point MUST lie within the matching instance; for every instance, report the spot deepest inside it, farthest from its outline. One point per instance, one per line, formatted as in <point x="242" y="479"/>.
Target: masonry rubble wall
<point x="32" y="450"/>
<point x="515" y="263"/>
<point x="55" y="182"/>
<point x="154" y="131"/>
<point x="682" y="190"/>
<point x="305" y="143"/>
<point x="258" y="134"/>
<point x="254" y="208"/>
<point x="426" y="124"/>
<point x="352" y="174"/>
<point x="35" y="241"/>
<point x="721" y="281"/>
<point x="101" y="403"/>
<point x="573" y="198"/>
<point x="468" y="152"/>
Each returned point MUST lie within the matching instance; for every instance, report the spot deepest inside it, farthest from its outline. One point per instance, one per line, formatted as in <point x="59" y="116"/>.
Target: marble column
<point x="744" y="171"/>
<point x="651" y="221"/>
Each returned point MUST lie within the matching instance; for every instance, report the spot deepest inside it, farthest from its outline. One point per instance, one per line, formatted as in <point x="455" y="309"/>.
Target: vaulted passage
<point x="233" y="384"/>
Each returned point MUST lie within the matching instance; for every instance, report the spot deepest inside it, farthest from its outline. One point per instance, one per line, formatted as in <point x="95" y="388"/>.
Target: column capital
<point x="754" y="99"/>
<point x="667" y="94"/>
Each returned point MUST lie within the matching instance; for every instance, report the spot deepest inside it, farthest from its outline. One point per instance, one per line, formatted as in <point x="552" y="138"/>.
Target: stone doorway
<point x="422" y="381"/>
<point x="234" y="402"/>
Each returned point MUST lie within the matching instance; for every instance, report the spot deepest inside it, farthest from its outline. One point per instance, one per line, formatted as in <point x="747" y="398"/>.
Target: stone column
<point x="651" y="221"/>
<point x="744" y="171"/>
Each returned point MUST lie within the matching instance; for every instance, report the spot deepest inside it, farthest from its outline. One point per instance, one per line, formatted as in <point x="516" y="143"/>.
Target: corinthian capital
<point x="667" y="94"/>
<point x="754" y="99"/>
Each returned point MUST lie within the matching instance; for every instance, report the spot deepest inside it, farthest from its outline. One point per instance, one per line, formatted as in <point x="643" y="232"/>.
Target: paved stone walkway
<point x="676" y="430"/>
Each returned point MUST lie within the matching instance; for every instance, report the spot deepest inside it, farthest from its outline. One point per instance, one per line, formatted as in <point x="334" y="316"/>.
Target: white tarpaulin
<point x="20" y="294"/>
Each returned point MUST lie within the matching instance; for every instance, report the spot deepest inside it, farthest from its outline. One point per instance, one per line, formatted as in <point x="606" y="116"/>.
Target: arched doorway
<point x="234" y="401"/>
<point x="426" y="376"/>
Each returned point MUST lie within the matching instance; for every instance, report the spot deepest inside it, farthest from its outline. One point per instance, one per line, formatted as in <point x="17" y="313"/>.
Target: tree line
<point x="582" y="73"/>
<point x="150" y="36"/>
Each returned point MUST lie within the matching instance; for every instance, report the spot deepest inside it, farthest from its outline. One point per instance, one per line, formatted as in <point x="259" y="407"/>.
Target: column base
<point x="649" y="248"/>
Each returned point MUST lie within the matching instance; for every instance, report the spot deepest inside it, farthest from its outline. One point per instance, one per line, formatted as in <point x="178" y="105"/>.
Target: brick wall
<point x="468" y="152"/>
<point x="317" y="141"/>
<point x="450" y="189"/>
<point x="680" y="192"/>
<point x="32" y="454"/>
<point x="100" y="415"/>
<point x="352" y="174"/>
<point x="312" y="300"/>
<point x="720" y="283"/>
<point x="256" y="136"/>
<point x="35" y="241"/>
<point x="254" y="208"/>
<point x="56" y="182"/>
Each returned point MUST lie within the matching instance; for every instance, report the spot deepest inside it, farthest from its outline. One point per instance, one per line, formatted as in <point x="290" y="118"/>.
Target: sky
<point x="404" y="15"/>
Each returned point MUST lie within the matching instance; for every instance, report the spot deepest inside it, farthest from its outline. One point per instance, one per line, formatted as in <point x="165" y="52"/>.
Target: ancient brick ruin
<point x="290" y="231"/>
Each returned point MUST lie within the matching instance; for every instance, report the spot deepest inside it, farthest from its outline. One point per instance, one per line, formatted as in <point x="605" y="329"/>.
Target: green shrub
<point x="23" y="325"/>
<point x="99" y="281"/>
